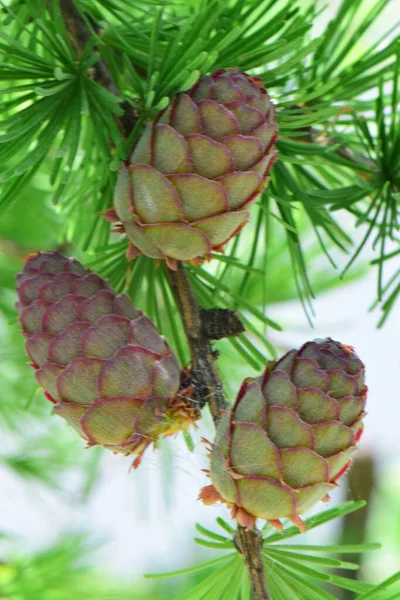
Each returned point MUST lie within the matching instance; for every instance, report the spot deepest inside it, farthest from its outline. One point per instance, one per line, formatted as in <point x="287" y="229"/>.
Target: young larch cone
<point x="101" y="362"/>
<point x="290" y="435"/>
<point x="196" y="168"/>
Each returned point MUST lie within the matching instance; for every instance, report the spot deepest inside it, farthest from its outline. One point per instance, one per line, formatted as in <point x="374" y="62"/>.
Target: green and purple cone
<point x="196" y="168"/>
<point x="290" y="435"/>
<point x="101" y="362"/>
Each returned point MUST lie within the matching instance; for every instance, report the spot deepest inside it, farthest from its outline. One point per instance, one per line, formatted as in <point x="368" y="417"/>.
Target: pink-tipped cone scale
<point x="101" y="362"/>
<point x="290" y="435"/>
<point x="193" y="172"/>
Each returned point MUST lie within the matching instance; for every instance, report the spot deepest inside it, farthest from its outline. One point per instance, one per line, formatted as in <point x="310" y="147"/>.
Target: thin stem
<point x="79" y="34"/>
<point x="206" y="381"/>
<point x="249" y="544"/>
<point x="208" y="389"/>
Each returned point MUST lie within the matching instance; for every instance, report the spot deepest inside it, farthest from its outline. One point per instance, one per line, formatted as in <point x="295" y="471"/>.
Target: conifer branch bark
<point x="249" y="544"/>
<point x="79" y="34"/>
<point x="207" y="384"/>
<point x="208" y="389"/>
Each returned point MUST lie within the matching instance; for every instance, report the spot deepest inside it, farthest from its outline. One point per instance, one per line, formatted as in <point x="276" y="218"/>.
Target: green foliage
<point x="292" y="569"/>
<point x="62" y="571"/>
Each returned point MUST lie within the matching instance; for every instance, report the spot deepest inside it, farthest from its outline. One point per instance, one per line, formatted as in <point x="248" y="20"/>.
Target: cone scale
<point x="290" y="435"/>
<point x="101" y="362"/>
<point x="194" y="171"/>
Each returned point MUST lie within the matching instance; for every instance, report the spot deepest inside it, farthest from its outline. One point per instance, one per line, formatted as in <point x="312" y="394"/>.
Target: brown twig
<point x="206" y="381"/>
<point x="79" y="34"/>
<point x="208" y="389"/>
<point x="249" y="544"/>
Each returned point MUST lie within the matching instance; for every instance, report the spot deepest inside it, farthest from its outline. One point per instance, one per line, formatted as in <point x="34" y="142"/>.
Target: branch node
<point x="219" y="323"/>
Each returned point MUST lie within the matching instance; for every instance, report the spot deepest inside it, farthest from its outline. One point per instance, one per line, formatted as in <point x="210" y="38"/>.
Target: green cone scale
<point x="101" y="362"/>
<point x="193" y="172"/>
<point x="290" y="435"/>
